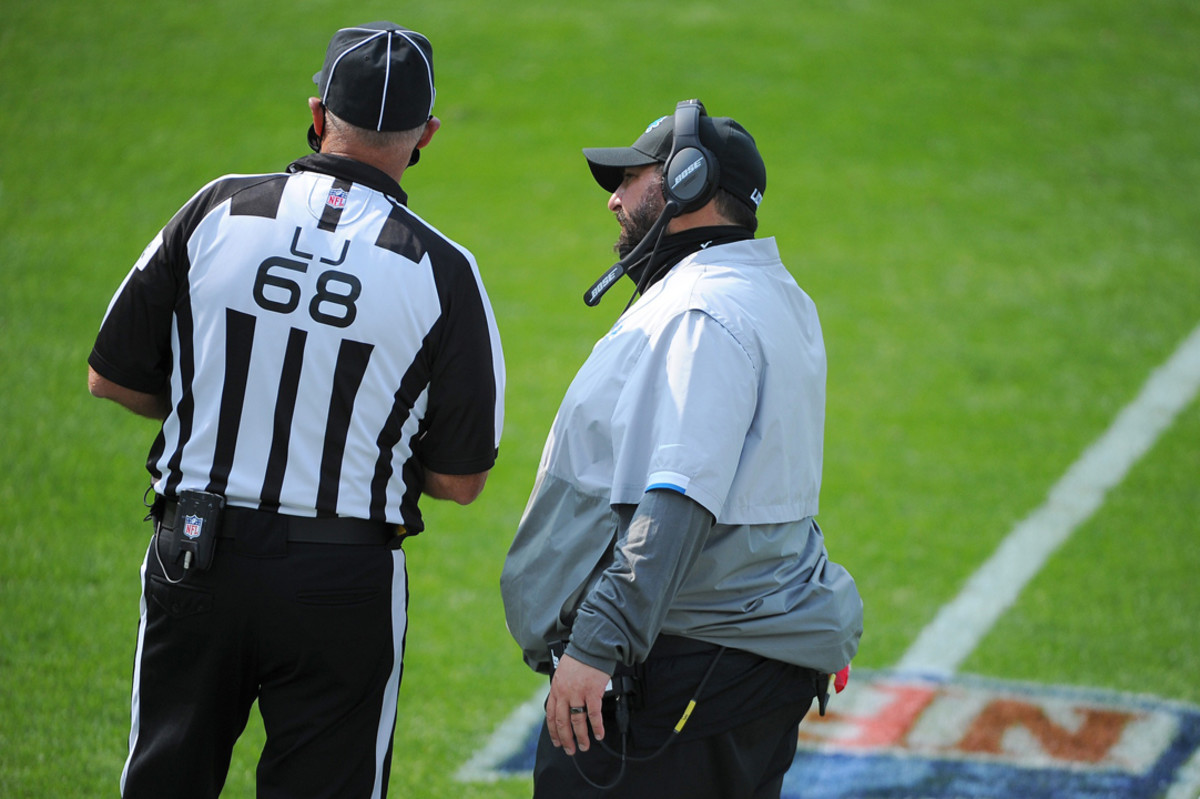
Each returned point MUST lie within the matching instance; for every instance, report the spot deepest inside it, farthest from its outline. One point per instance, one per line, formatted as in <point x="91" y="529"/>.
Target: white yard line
<point x="506" y="741"/>
<point x="960" y="625"/>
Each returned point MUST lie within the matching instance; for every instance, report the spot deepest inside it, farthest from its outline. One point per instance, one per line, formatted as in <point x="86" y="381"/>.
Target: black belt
<point x="300" y="529"/>
<point x="668" y="646"/>
<point x="672" y="646"/>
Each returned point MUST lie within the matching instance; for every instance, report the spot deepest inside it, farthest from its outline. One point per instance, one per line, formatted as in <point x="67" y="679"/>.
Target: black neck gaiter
<point x="676" y="246"/>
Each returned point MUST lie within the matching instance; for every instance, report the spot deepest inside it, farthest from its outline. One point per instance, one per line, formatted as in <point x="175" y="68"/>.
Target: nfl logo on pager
<point x="337" y="198"/>
<point x="192" y="526"/>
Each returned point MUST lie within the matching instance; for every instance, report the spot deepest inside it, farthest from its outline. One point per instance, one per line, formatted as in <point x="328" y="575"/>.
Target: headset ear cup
<point x="691" y="174"/>
<point x="689" y="179"/>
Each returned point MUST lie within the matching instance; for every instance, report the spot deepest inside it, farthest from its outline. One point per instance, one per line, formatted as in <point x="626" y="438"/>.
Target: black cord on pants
<point x="622" y="714"/>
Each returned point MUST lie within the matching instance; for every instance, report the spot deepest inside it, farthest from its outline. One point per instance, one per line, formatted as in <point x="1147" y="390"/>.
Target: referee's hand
<point x="575" y="685"/>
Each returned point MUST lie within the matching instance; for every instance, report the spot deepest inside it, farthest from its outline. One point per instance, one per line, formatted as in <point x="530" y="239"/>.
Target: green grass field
<point x="994" y="206"/>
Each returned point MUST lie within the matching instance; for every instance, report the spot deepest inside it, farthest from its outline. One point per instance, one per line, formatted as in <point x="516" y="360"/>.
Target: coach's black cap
<point x="742" y="171"/>
<point x="378" y="76"/>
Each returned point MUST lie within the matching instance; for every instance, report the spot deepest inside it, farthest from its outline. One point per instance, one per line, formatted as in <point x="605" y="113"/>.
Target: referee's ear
<point x="318" y="115"/>
<point x="431" y="127"/>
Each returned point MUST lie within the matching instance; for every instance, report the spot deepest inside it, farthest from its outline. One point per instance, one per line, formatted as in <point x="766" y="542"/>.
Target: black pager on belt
<point x="197" y="524"/>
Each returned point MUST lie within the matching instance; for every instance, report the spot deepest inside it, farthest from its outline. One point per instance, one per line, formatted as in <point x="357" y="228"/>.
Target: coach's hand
<point x="575" y="685"/>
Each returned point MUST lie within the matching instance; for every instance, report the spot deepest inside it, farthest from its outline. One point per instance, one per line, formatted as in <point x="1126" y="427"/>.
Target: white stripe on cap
<point x="387" y="76"/>
<point x="428" y="68"/>
<point x="346" y="52"/>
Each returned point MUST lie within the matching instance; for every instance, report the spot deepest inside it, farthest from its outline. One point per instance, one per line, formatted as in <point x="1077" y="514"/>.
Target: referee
<point x="319" y="357"/>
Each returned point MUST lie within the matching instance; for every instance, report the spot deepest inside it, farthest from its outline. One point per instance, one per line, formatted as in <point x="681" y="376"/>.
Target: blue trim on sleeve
<point x="669" y="486"/>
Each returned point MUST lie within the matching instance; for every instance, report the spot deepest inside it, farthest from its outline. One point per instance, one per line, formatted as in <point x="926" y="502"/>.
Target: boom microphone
<point x="592" y="296"/>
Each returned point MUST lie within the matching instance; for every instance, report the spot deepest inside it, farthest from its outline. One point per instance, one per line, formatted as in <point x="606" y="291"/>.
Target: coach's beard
<point x="636" y="225"/>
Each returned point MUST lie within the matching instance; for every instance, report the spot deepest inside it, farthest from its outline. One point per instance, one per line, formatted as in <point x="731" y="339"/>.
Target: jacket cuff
<point x="605" y="665"/>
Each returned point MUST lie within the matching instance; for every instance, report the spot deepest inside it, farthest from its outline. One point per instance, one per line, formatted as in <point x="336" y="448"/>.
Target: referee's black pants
<point x="314" y="632"/>
<point x="738" y="743"/>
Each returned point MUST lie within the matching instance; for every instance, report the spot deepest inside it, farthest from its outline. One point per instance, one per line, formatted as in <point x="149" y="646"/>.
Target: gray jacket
<point x="678" y="485"/>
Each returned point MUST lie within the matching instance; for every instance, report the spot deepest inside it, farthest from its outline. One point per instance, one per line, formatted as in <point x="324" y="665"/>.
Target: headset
<point x="691" y="176"/>
<point x="691" y="173"/>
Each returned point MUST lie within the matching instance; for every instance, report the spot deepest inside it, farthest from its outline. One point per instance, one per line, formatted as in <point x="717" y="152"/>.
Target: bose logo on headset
<point x="699" y="162"/>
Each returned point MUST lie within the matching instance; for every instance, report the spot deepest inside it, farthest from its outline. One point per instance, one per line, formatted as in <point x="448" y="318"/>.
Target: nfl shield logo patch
<point x="192" y="526"/>
<point x="336" y="198"/>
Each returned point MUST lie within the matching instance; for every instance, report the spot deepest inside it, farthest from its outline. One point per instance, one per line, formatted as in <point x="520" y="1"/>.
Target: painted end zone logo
<point x="894" y="736"/>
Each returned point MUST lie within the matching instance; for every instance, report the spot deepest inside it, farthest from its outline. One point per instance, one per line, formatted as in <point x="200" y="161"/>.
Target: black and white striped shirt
<point x="320" y="342"/>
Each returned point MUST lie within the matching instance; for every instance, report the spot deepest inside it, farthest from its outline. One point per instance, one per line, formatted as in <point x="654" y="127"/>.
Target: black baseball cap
<point x="378" y="76"/>
<point x="742" y="171"/>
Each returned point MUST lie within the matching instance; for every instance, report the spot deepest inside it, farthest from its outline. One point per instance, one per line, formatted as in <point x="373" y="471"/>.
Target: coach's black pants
<point x="314" y="632"/>
<point x="738" y="744"/>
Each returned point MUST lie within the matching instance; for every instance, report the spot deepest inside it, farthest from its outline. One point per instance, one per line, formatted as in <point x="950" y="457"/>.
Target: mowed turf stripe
<point x="962" y="623"/>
